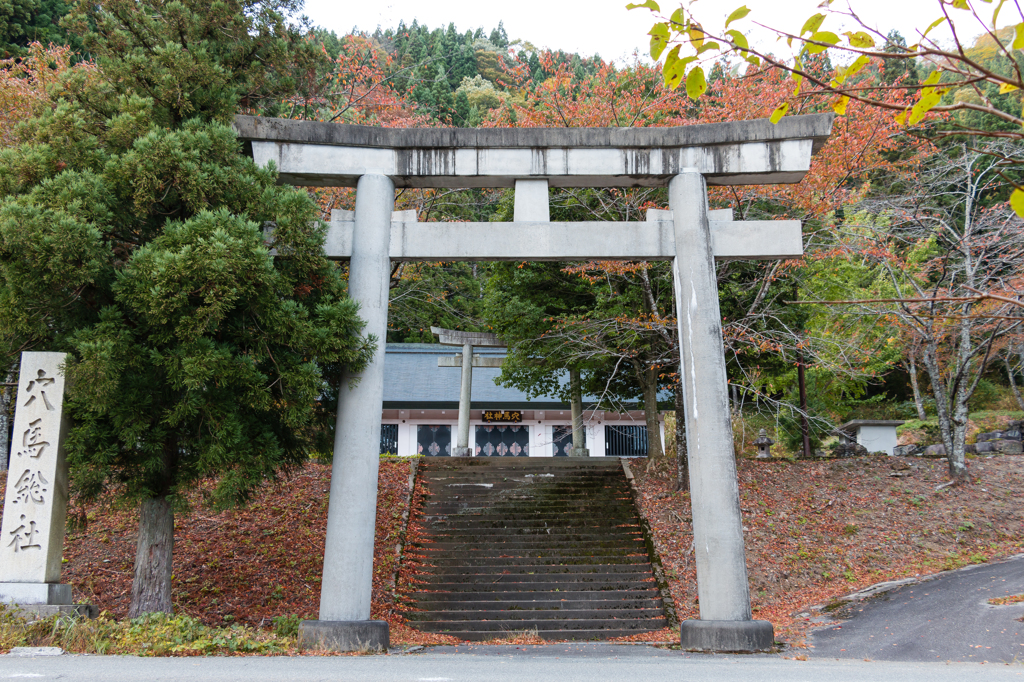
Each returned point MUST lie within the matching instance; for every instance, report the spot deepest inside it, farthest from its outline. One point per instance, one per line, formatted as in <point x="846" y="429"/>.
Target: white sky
<point x="602" y="26"/>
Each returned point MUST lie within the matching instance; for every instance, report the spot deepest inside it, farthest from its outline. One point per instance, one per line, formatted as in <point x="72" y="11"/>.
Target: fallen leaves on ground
<point x="814" y="531"/>
<point x="817" y="530"/>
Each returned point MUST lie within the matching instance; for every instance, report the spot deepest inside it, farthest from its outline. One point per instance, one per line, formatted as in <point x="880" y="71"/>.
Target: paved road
<point x="947" y="618"/>
<point x="612" y="665"/>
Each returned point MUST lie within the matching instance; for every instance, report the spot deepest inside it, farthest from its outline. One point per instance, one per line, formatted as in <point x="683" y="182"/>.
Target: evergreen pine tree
<point x="133" y="236"/>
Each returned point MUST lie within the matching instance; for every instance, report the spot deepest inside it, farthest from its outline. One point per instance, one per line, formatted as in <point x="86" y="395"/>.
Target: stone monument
<point x="35" y="507"/>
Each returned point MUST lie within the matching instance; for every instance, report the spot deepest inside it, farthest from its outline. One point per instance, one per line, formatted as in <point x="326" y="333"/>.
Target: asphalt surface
<point x="607" y="666"/>
<point x="939" y="630"/>
<point x="946" y="618"/>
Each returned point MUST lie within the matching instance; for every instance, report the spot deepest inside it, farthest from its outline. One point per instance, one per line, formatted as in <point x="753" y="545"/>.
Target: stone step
<point x="550" y="585"/>
<point x="553" y="534"/>
<point x="540" y="606"/>
<point x="471" y="570"/>
<point x="552" y="518"/>
<point x="503" y="562"/>
<point x="534" y="614"/>
<point x="627" y="598"/>
<point x="579" y="508"/>
<point x="625" y="544"/>
<point x="515" y="554"/>
<point x="534" y="463"/>
<point x="549" y="635"/>
<point x="526" y="580"/>
<point x="633" y="625"/>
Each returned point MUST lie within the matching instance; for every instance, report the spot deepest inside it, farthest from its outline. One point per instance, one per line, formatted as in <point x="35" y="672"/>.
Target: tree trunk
<point x="7" y="394"/>
<point x="918" y="401"/>
<point x="151" y="589"/>
<point x="650" y="385"/>
<point x="682" y="461"/>
<point x="1013" y="381"/>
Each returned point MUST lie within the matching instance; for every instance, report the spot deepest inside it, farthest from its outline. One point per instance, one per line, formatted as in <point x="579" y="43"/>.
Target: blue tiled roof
<point x="411" y="375"/>
<point x="412" y="378"/>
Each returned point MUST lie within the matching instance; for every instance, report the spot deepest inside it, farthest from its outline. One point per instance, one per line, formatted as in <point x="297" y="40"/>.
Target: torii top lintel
<point x="313" y="153"/>
<point x="453" y="337"/>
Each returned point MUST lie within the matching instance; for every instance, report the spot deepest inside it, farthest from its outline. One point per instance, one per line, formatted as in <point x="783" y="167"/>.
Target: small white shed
<point x="876" y="435"/>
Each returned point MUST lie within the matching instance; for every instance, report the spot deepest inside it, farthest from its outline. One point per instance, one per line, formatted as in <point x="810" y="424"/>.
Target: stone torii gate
<point x="685" y="159"/>
<point x="451" y="337"/>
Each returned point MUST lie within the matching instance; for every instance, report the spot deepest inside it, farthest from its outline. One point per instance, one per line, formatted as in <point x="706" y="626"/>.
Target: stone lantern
<point x="764" y="445"/>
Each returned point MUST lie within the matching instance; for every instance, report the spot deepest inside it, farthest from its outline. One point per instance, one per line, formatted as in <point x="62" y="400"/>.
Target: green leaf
<point x="1018" y="42"/>
<point x="933" y="25"/>
<point x="1017" y="201"/>
<point x="812" y="24"/>
<point x="695" y="83"/>
<point x="825" y="37"/>
<point x="736" y="15"/>
<point x="710" y="45"/>
<point x="779" y="112"/>
<point x="678" y="18"/>
<point x="738" y="39"/>
<point x="674" y="68"/>
<point x="961" y="4"/>
<point x="995" y="14"/>
<point x="649" y="4"/>
<point x="659" y="40"/>
<point x="799" y="80"/>
<point x="860" y="39"/>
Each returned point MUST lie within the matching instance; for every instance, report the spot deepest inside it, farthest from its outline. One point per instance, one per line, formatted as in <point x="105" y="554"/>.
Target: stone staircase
<point x="513" y="544"/>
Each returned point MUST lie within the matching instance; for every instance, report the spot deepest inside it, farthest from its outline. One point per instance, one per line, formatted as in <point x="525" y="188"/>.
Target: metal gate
<point x="389" y="439"/>
<point x="625" y="441"/>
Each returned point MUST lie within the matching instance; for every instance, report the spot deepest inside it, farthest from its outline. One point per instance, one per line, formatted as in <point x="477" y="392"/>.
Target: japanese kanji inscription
<point x="32" y="536"/>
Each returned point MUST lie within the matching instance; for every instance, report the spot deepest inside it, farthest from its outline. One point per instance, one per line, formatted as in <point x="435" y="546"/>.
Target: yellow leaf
<point x="934" y="24"/>
<point x="1018" y="42"/>
<point x="1007" y="87"/>
<point x="961" y="4"/>
<point x="1017" y="201"/>
<point x="649" y="4"/>
<point x="779" y="112"/>
<point x="736" y="15"/>
<point x="840" y="106"/>
<point x="812" y="24"/>
<point x="860" y="39"/>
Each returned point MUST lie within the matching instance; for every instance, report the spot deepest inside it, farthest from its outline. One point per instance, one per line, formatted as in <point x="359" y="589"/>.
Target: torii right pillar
<point x="726" y="623"/>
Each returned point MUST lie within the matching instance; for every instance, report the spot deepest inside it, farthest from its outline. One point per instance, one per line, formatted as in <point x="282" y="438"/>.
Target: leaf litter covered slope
<point x="814" y="531"/>
<point x="244" y="565"/>
<point x="818" y="530"/>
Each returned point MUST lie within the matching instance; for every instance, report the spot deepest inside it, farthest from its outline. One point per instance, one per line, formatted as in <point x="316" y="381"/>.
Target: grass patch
<point x="155" y="634"/>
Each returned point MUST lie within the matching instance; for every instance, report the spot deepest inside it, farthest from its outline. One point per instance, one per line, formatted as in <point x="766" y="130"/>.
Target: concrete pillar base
<point x="462" y="452"/>
<point x="344" y="635"/>
<point x="579" y="452"/>
<point x="35" y="593"/>
<point x="726" y="636"/>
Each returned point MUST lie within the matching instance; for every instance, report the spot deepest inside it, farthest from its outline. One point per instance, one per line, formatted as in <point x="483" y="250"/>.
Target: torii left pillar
<point x="345" y="591"/>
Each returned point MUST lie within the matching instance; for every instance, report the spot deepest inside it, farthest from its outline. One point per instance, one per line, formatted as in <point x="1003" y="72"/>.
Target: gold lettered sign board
<point x="503" y="416"/>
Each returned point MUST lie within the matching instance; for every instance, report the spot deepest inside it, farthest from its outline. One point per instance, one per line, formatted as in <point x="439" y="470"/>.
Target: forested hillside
<point x="915" y="215"/>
